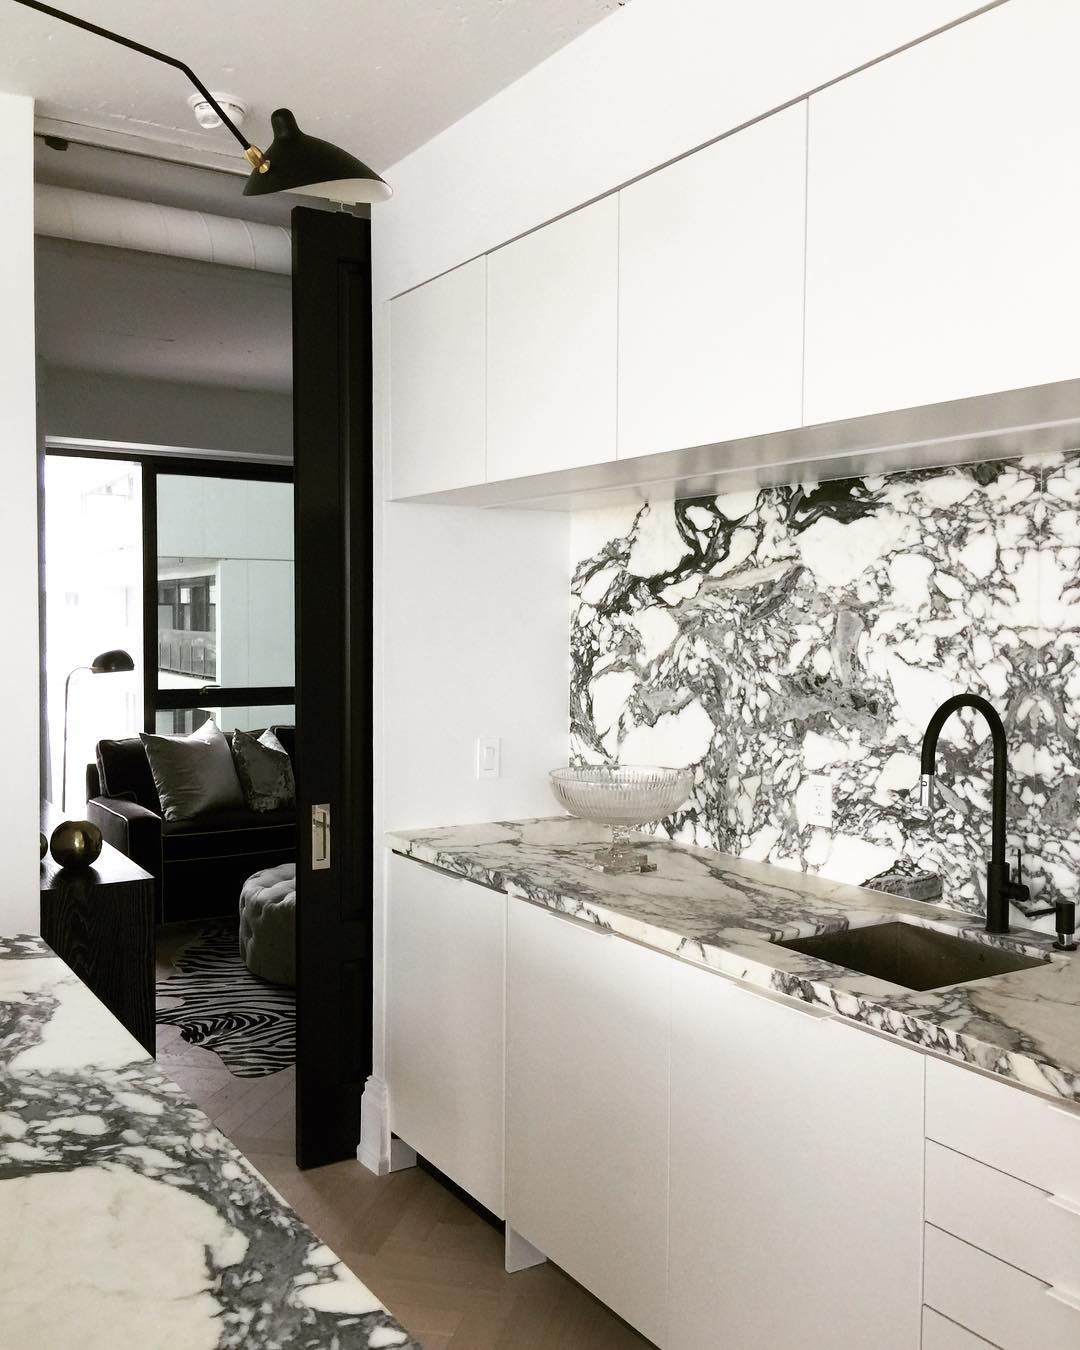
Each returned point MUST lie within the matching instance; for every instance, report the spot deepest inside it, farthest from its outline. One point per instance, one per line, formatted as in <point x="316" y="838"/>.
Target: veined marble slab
<point x="126" y="1219"/>
<point x="762" y="638"/>
<point x="715" y="910"/>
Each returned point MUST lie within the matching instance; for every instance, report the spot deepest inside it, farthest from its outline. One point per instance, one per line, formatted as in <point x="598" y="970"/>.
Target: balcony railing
<point x="181" y="652"/>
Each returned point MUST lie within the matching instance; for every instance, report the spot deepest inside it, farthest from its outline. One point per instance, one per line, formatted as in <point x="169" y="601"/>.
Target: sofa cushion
<point x="193" y="774"/>
<point x="227" y="834"/>
<point x="287" y="739"/>
<point x="265" y="771"/>
<point x="123" y="769"/>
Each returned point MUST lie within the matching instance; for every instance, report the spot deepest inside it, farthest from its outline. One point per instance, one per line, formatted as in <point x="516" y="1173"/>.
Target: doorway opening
<point x="167" y="537"/>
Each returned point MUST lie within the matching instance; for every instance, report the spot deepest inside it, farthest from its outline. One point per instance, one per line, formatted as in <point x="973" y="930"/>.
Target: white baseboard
<point x="520" y="1255"/>
<point x="380" y="1151"/>
<point x="374" y="1148"/>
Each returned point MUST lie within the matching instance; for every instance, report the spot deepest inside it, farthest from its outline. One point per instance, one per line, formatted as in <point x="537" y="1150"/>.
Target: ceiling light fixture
<point x="206" y="113"/>
<point x="295" y="162"/>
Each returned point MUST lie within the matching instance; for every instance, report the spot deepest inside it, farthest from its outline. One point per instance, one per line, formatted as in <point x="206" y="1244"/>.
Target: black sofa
<point x="199" y="865"/>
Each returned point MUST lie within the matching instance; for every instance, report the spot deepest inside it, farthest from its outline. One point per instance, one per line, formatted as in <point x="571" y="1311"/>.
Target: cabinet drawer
<point x="938" y="1333"/>
<point x="1018" y="1133"/>
<point x="1008" y="1218"/>
<point x="996" y="1300"/>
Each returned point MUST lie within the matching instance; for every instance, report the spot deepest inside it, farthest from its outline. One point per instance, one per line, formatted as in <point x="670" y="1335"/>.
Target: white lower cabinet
<point x="992" y="1299"/>
<point x="938" y="1333"/>
<point x="796" y="1176"/>
<point x="724" y="1168"/>
<point x="587" y="1111"/>
<point x="1002" y="1253"/>
<point x="446" y="944"/>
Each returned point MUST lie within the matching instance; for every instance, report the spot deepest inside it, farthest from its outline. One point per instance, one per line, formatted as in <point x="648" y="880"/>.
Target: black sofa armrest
<point x="131" y="828"/>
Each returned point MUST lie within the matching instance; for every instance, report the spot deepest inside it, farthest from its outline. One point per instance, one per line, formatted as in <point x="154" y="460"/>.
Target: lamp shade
<point x="112" y="662"/>
<point x="302" y="163"/>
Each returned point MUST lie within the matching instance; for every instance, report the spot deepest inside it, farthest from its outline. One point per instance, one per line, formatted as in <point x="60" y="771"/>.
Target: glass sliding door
<point x="222" y="589"/>
<point x="93" y="528"/>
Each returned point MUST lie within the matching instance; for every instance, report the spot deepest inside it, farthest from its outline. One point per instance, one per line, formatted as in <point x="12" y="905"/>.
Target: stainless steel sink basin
<point x="910" y="956"/>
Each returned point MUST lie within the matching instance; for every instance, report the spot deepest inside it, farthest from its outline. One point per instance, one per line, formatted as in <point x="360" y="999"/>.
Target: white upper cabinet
<point x="437" y="384"/>
<point x="552" y="309"/>
<point x="711" y="256"/>
<point x="944" y="198"/>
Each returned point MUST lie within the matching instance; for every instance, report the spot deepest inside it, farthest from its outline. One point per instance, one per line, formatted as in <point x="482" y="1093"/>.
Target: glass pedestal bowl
<point x="622" y="798"/>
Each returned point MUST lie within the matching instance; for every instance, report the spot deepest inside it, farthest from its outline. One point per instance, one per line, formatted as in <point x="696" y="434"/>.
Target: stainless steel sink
<point x="911" y="956"/>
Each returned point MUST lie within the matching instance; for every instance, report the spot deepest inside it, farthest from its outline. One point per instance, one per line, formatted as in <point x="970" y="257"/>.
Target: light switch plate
<point x="488" y="757"/>
<point x="819" y="801"/>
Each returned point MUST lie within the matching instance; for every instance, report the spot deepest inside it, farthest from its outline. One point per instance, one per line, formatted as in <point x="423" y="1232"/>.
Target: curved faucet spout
<point x="1000" y="889"/>
<point x="997" y="736"/>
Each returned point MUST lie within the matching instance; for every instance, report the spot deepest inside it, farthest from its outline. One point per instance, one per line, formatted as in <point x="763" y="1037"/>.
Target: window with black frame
<point x="222" y="584"/>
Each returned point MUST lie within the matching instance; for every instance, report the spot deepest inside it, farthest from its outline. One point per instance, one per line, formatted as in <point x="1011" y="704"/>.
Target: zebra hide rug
<point x="218" y="1004"/>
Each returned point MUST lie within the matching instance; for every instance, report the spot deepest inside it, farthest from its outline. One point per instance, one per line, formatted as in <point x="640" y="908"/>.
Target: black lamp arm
<point x="156" y="55"/>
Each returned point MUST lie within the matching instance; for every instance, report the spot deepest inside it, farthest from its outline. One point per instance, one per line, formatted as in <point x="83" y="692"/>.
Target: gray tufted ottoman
<point x="268" y="924"/>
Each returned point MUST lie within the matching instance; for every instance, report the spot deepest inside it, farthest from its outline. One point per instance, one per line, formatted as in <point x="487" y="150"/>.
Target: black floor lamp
<point x="106" y="663"/>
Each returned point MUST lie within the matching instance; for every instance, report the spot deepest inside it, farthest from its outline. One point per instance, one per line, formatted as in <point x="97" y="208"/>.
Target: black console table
<point x="100" y="920"/>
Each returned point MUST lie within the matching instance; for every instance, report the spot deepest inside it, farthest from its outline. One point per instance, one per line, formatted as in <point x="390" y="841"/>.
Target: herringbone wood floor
<point x="432" y="1261"/>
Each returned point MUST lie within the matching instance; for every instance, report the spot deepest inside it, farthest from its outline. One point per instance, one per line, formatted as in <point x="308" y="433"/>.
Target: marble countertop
<point x="126" y="1219"/>
<point x="723" y="912"/>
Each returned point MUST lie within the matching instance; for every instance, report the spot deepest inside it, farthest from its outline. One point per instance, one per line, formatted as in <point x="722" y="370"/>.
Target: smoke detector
<point x="208" y="119"/>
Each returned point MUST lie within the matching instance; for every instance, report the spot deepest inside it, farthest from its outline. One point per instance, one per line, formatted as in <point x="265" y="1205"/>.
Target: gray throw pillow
<point x="193" y="774"/>
<point x="265" y="771"/>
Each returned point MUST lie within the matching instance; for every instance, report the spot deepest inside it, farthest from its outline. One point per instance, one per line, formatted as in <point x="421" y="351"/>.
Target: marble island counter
<point x="711" y="909"/>
<point x="126" y="1219"/>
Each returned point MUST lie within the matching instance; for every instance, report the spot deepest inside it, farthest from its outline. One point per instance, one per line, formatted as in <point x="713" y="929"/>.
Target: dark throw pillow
<point x="265" y="771"/>
<point x="193" y="774"/>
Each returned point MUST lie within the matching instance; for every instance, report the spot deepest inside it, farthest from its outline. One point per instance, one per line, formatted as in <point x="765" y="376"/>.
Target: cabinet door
<point x="587" y="1055"/>
<point x="551" y="346"/>
<point x="941" y="228"/>
<point x="437" y="384"/>
<point x="446" y="946"/>
<point x="711" y="256"/>
<point x="796" y="1176"/>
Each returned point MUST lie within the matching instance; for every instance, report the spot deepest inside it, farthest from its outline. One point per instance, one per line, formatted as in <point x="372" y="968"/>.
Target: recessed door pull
<point x="1066" y="1296"/>
<point x="320" y="837"/>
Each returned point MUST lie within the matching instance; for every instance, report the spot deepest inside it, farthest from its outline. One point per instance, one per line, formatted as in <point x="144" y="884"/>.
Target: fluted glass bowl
<point x="621" y="797"/>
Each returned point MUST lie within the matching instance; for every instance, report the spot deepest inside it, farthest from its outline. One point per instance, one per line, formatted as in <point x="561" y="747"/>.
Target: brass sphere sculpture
<point x="76" y="843"/>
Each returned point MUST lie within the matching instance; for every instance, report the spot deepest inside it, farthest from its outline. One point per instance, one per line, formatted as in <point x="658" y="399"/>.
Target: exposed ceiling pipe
<point x="119" y="222"/>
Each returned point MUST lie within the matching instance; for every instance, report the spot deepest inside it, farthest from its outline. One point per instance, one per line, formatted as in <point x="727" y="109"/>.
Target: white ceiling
<point x="378" y="77"/>
<point x="137" y="314"/>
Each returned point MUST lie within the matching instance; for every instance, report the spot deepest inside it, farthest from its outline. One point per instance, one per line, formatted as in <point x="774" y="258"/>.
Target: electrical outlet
<point x="819" y="811"/>
<point x="488" y="757"/>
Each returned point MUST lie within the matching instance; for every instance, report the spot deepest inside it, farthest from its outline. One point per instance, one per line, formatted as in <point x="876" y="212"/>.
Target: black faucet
<point x="1000" y="887"/>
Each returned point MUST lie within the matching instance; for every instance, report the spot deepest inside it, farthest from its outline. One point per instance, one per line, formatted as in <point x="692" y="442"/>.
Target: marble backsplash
<point x="768" y="636"/>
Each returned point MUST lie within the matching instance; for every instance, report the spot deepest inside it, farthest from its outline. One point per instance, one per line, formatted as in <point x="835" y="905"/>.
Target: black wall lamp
<point x="295" y="162"/>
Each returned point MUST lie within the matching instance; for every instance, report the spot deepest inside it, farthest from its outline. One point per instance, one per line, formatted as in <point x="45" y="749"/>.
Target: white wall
<point x="19" y="790"/>
<point x="255" y="623"/>
<point x="145" y="414"/>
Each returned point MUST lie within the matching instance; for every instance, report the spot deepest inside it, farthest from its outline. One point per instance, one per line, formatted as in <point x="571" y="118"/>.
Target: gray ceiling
<point x="137" y="314"/>
<point x="139" y="176"/>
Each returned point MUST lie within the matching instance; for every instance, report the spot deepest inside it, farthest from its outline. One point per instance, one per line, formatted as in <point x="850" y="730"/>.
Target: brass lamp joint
<point x="256" y="158"/>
